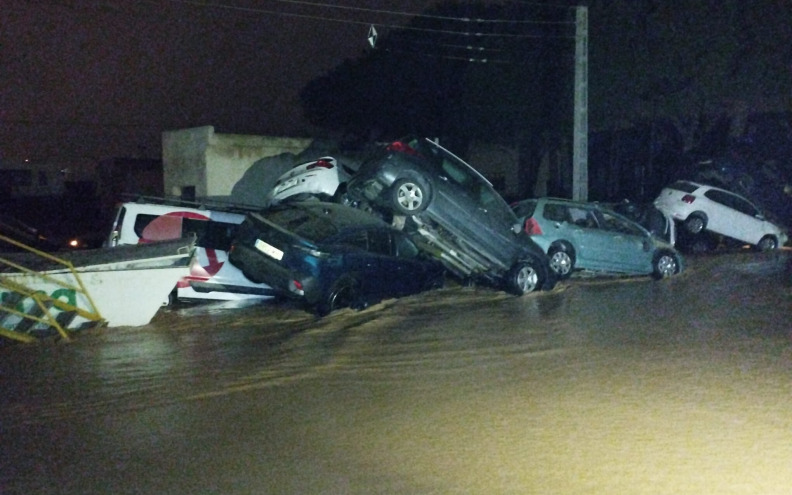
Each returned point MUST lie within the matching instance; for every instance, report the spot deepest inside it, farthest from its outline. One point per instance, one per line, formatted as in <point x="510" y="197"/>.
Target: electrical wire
<point x="425" y="16"/>
<point x="217" y="5"/>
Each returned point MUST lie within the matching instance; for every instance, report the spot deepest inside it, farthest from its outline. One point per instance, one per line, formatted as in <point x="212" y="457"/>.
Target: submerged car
<point x="324" y="179"/>
<point x="331" y="256"/>
<point x="456" y="211"/>
<point x="701" y="207"/>
<point x="587" y="236"/>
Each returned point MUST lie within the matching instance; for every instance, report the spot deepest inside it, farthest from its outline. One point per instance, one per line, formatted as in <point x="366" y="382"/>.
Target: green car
<point x="587" y="236"/>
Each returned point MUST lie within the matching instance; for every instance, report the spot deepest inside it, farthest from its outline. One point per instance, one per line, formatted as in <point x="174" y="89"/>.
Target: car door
<point x="733" y="216"/>
<point x="629" y="247"/>
<point x="398" y="268"/>
<point x="358" y="261"/>
<point x="591" y="242"/>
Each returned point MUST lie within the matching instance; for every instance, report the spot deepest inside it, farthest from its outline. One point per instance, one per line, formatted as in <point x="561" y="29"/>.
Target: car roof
<point x="706" y="187"/>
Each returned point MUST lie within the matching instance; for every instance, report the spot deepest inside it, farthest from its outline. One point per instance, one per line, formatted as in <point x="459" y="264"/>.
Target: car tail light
<point x="532" y="227"/>
<point x="688" y="198"/>
<point x="402" y="148"/>
<point x="320" y="164"/>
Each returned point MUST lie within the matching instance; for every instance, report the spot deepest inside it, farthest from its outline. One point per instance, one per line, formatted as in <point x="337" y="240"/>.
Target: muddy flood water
<point x="605" y="385"/>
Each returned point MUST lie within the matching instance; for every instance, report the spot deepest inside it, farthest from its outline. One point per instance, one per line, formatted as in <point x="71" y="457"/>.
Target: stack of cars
<point x="413" y="211"/>
<point x="456" y="211"/>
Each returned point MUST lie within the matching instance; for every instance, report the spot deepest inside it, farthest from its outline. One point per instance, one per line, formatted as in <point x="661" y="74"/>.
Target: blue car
<point x="587" y="236"/>
<point x="331" y="256"/>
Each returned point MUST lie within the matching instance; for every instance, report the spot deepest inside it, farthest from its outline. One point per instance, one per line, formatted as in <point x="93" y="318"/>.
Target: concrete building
<point x="200" y="164"/>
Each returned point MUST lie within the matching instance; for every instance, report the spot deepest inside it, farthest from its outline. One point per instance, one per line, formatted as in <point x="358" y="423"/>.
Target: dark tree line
<point x="663" y="79"/>
<point x="504" y="82"/>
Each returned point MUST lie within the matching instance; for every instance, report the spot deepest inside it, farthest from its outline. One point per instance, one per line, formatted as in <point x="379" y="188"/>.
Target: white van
<point x="212" y="276"/>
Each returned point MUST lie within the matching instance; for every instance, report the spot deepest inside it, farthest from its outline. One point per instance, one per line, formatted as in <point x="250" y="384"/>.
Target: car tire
<point x="665" y="264"/>
<point x="695" y="223"/>
<point x="767" y="243"/>
<point x="562" y="260"/>
<point x="523" y="278"/>
<point x="342" y="294"/>
<point x="340" y="196"/>
<point x="408" y="197"/>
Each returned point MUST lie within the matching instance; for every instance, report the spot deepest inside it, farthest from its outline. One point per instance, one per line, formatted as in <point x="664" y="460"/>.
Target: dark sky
<point x="91" y="79"/>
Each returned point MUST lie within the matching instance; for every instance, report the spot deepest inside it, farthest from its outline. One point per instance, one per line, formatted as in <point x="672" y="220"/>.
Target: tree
<point x="454" y="72"/>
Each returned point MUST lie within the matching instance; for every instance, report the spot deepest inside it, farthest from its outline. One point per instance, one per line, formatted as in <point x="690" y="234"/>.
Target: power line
<point x="425" y="16"/>
<point x="368" y="23"/>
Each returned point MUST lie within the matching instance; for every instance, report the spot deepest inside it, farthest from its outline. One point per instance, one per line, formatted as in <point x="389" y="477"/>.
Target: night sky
<point x="92" y="79"/>
<point x="89" y="79"/>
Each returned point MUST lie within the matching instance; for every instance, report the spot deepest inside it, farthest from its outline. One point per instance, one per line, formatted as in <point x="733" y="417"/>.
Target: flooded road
<point x="602" y="386"/>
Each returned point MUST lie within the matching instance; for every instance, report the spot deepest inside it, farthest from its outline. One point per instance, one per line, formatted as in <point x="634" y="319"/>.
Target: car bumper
<point x="280" y="278"/>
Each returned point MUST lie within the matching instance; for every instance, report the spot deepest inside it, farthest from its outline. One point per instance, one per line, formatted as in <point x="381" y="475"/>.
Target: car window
<point x="583" y="217"/>
<point x="379" y="242"/>
<point x="405" y="248"/>
<point x="555" y="213"/>
<point x="472" y="184"/>
<point x="150" y="228"/>
<point x="615" y="224"/>
<point x="357" y="239"/>
<point x="732" y="201"/>
<point x="213" y="235"/>
<point x="525" y="208"/>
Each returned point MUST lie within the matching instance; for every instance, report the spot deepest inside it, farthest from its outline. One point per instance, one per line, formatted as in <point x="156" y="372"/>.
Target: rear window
<point x="300" y="222"/>
<point x="683" y="186"/>
<point x="525" y="208"/>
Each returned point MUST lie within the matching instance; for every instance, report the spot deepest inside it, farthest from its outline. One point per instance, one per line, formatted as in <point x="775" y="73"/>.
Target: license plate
<point x="269" y="250"/>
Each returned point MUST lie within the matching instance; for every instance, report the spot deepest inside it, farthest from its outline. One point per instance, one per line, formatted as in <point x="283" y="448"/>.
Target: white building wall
<point x="213" y="163"/>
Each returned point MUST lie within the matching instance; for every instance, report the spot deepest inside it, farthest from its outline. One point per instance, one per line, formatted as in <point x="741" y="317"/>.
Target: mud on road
<point x="604" y="385"/>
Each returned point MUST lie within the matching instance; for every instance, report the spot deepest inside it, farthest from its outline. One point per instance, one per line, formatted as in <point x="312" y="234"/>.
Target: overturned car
<point x="456" y="211"/>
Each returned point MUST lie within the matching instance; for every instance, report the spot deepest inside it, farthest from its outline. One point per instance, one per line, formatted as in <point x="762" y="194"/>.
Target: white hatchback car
<point x="323" y="178"/>
<point x="700" y="207"/>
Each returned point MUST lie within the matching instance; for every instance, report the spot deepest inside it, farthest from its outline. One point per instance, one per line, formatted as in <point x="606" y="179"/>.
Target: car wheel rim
<point x="666" y="266"/>
<point x="527" y="279"/>
<point x="410" y="196"/>
<point x="767" y="244"/>
<point x="561" y="263"/>
<point x="695" y="225"/>
<point x="340" y="298"/>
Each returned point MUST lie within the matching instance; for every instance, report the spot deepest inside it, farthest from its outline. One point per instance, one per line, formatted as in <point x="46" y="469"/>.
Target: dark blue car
<point x="331" y="256"/>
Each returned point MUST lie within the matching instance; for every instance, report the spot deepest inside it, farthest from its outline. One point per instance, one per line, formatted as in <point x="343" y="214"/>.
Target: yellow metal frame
<point x="42" y="299"/>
